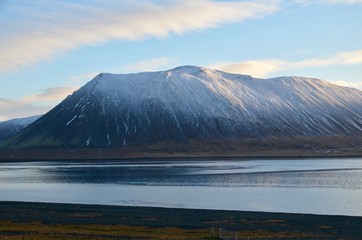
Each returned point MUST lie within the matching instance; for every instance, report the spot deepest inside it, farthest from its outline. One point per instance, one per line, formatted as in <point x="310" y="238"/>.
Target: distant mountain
<point x="201" y="108"/>
<point x="13" y="126"/>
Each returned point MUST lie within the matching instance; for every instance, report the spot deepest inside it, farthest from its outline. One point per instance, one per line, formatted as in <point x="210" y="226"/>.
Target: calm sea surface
<point x="319" y="186"/>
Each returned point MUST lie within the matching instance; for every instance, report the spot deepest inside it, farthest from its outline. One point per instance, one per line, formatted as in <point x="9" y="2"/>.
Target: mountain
<point x="200" y="108"/>
<point x="11" y="127"/>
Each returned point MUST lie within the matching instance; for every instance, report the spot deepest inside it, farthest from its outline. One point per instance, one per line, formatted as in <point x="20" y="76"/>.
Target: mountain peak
<point x="191" y="103"/>
<point x="188" y="69"/>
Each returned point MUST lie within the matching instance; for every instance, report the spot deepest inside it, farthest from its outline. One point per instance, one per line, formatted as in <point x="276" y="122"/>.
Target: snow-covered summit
<point x="195" y="103"/>
<point x="212" y="92"/>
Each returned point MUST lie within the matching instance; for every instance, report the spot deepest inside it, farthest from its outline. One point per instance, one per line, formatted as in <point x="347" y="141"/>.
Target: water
<point x="318" y="186"/>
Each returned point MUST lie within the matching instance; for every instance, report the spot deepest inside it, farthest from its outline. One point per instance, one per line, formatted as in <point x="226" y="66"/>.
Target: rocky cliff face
<point x="195" y="104"/>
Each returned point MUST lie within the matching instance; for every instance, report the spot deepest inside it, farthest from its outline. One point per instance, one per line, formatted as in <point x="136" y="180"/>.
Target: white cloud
<point x="33" y="105"/>
<point x="49" y="95"/>
<point x="263" y="68"/>
<point x="45" y="28"/>
<point x="46" y="99"/>
<point x="254" y="68"/>
<point x="43" y="101"/>
<point x="357" y="85"/>
<point x="342" y="58"/>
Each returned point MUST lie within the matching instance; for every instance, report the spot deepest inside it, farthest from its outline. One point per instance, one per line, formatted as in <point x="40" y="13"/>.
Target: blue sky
<point x="51" y="48"/>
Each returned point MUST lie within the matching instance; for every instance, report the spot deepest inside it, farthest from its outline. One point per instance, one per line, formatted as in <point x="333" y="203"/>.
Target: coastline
<point x="80" y="221"/>
<point x="25" y="155"/>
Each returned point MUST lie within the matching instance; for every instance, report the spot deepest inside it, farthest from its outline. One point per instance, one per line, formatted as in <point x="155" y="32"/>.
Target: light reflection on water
<point x="332" y="186"/>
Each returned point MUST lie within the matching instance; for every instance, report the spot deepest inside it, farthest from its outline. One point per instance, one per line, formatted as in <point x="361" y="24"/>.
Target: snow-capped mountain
<point x="191" y="104"/>
<point x="11" y="127"/>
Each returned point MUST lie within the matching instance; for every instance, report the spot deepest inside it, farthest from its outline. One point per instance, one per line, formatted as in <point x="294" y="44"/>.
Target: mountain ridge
<point x="195" y="104"/>
<point x="10" y="127"/>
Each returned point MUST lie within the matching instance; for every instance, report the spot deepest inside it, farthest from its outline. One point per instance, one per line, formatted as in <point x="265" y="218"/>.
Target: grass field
<point x="68" y="221"/>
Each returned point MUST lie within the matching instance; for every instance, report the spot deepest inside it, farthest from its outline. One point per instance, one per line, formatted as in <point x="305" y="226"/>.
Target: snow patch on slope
<point x="191" y="102"/>
<point x="215" y="94"/>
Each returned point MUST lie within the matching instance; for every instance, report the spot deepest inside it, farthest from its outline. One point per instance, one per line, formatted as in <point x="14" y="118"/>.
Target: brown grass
<point x="36" y="230"/>
<point x="39" y="231"/>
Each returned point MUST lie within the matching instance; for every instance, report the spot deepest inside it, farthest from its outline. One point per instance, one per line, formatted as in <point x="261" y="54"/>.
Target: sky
<point x="50" y="48"/>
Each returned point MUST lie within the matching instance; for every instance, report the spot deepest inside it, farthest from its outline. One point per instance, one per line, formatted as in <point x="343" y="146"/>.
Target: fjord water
<point x="318" y="186"/>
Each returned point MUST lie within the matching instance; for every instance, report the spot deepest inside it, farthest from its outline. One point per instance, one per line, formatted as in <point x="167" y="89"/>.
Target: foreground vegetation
<point x="66" y="221"/>
<point x="37" y="230"/>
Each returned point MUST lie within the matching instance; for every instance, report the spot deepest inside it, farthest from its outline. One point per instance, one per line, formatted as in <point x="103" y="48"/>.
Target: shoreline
<point x="180" y="158"/>
<point x="95" y="206"/>
<point x="112" y="222"/>
<point x="29" y="155"/>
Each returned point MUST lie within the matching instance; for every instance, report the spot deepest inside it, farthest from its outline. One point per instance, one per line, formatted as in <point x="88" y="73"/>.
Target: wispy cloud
<point x="263" y="68"/>
<point x="35" y="104"/>
<point x="256" y="68"/>
<point x="349" y="84"/>
<point x="49" y="95"/>
<point x="46" y="99"/>
<point x="45" y="28"/>
<point x="342" y="58"/>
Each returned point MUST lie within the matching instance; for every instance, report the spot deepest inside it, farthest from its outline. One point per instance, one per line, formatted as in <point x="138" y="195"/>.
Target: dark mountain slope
<point x="11" y="127"/>
<point x="189" y="105"/>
